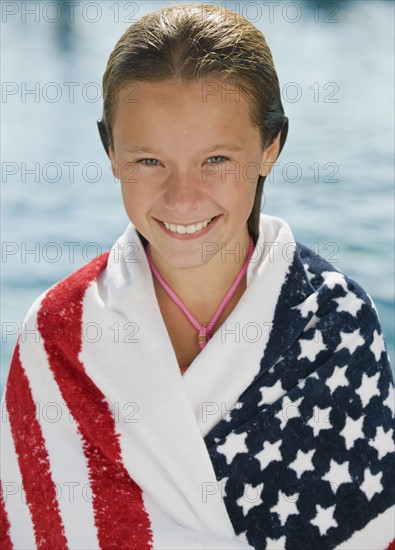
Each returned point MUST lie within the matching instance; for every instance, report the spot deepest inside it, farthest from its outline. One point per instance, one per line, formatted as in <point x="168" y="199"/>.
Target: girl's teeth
<point x="182" y="229"/>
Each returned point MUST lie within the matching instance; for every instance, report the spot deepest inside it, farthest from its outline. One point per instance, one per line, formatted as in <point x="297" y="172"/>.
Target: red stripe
<point x="121" y="519"/>
<point x="391" y="546"/>
<point x="33" y="460"/>
<point x="5" y="540"/>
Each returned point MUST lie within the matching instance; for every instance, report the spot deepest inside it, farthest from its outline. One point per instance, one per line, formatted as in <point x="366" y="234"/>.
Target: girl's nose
<point x="182" y="192"/>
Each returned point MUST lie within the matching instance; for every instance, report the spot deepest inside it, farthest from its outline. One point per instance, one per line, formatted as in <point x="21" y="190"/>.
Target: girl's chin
<point x="182" y="259"/>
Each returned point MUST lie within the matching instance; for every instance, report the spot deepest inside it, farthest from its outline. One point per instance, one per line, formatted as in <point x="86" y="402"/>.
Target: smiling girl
<point x="239" y="393"/>
<point x="184" y="188"/>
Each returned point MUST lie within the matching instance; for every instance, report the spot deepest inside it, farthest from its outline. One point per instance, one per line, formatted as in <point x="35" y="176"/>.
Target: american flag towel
<point x="279" y="435"/>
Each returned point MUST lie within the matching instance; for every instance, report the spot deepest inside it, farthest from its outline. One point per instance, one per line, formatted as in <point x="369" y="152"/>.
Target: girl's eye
<point x="217" y="159"/>
<point x="149" y="162"/>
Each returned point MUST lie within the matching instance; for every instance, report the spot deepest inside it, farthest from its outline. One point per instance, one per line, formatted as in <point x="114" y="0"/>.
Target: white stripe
<point x="63" y="443"/>
<point x="376" y="535"/>
<point x="21" y="526"/>
<point x="161" y="444"/>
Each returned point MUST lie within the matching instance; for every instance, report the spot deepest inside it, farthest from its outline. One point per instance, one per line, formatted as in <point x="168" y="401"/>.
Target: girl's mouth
<point x="188" y="231"/>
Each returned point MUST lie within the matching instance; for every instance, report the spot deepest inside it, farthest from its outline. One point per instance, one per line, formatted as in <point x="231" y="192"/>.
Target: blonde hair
<point x="188" y="42"/>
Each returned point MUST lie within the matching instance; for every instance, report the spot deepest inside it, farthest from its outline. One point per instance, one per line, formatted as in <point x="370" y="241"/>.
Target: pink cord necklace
<point x="204" y="333"/>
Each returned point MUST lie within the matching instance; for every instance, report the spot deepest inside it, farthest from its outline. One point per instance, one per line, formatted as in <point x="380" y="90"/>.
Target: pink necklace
<point x="204" y="333"/>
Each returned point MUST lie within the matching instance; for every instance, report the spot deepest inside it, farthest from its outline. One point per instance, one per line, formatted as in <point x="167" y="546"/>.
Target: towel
<point x="279" y="435"/>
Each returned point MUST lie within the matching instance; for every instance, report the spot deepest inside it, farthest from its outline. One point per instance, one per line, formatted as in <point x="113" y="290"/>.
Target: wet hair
<point x="190" y="42"/>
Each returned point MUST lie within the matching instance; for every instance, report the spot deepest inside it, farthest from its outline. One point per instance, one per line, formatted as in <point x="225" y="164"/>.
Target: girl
<point x="238" y="394"/>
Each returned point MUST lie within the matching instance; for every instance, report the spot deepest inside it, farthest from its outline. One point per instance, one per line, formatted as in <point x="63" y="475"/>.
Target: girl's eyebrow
<point x="228" y="147"/>
<point x="147" y="149"/>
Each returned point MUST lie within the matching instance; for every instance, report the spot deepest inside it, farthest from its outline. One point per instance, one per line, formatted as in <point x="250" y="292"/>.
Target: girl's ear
<point x="114" y="163"/>
<point x="270" y="155"/>
<point x="103" y="134"/>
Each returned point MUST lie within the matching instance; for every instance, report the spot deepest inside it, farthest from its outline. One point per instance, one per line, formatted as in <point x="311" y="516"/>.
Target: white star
<point x="235" y="443"/>
<point x="320" y="420"/>
<point x="302" y="382"/>
<point x="272" y="393"/>
<point x="286" y="506"/>
<point x="352" y="431"/>
<point x="350" y="340"/>
<point x="324" y="519"/>
<point x="311" y="348"/>
<point x="383" y="442"/>
<point x="368" y="388"/>
<point x="310" y="274"/>
<point x="310" y="304"/>
<point x="275" y="544"/>
<point x="333" y="278"/>
<point x="390" y="400"/>
<point x="337" y="379"/>
<point x="378" y="345"/>
<point x="337" y="474"/>
<point x="350" y="303"/>
<point x="290" y="409"/>
<point x="251" y="497"/>
<point x="269" y="453"/>
<point x="302" y="462"/>
<point x="371" y="483"/>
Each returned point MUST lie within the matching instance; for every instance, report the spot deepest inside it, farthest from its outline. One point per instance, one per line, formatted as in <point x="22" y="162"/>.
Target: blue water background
<point x="336" y="69"/>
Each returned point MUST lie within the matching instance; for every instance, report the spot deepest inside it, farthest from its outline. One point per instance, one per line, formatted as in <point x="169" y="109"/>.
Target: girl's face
<point x="188" y="159"/>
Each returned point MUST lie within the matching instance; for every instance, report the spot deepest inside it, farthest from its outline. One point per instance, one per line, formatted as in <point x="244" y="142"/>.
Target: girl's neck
<point x="209" y="281"/>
